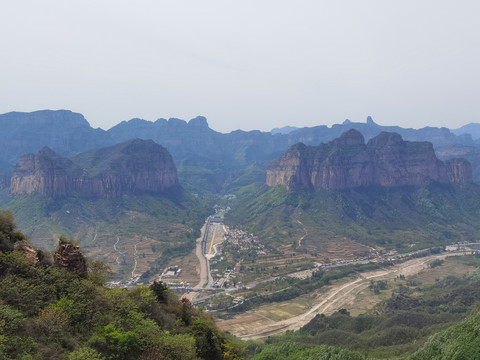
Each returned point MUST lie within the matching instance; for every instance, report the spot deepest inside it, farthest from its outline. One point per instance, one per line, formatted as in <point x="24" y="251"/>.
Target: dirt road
<point x="337" y="296"/>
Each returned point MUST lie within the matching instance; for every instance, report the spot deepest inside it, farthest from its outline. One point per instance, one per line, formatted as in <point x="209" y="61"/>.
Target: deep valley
<point x="279" y="241"/>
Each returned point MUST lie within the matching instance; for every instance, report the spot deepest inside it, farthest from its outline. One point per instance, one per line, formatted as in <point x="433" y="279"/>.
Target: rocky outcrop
<point x="135" y="166"/>
<point x="348" y="162"/>
<point x="458" y="170"/>
<point x="31" y="255"/>
<point x="69" y="256"/>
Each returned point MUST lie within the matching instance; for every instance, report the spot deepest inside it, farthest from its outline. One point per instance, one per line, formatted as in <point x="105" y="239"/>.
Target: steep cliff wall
<point x="131" y="167"/>
<point x="46" y="173"/>
<point x="193" y="144"/>
<point x="348" y="162"/>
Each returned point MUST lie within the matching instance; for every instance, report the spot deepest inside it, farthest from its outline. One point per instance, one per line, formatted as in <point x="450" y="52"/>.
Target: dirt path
<point x="337" y="296"/>
<point x="116" y="250"/>
<point x="304" y="236"/>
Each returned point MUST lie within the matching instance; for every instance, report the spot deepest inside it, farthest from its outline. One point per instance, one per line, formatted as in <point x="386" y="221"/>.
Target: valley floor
<point x="257" y="324"/>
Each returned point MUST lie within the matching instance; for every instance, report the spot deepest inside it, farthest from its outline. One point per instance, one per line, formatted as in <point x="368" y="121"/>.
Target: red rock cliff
<point x="348" y="162"/>
<point x="132" y="167"/>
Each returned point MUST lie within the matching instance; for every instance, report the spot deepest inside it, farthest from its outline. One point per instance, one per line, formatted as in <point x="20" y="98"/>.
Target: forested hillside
<point x="402" y="218"/>
<point x="51" y="309"/>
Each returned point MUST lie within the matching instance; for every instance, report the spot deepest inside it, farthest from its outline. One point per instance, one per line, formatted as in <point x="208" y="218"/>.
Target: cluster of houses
<point x="245" y="241"/>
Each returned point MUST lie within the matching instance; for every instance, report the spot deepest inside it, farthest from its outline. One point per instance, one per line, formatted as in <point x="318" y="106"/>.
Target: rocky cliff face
<point x="46" y="173"/>
<point x="348" y="162"/>
<point x="132" y="167"/>
<point x="193" y="143"/>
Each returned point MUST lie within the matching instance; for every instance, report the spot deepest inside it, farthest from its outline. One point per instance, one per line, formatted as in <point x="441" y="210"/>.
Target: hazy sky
<point x="244" y="64"/>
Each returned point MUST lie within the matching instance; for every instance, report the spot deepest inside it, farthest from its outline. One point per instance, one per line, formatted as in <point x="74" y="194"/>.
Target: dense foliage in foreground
<point x="49" y="312"/>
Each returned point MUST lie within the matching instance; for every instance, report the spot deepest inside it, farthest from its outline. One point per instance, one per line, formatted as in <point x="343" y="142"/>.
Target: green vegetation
<point x="252" y="175"/>
<point x="401" y="218"/>
<point x="212" y="181"/>
<point x="49" y="312"/>
<point x="436" y="263"/>
<point x="377" y="286"/>
<point x="295" y="351"/>
<point x="287" y="288"/>
<point x="9" y="235"/>
<point x="200" y="179"/>
<point x="402" y="324"/>
<point x="461" y="341"/>
<point x="171" y="222"/>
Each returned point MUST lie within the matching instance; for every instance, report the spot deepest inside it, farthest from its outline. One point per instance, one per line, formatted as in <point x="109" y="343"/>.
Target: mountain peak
<point x="47" y="152"/>
<point x="199" y="122"/>
<point x="386" y="160"/>
<point x="63" y="118"/>
<point x="174" y="122"/>
<point x="350" y="137"/>
<point x="385" y="138"/>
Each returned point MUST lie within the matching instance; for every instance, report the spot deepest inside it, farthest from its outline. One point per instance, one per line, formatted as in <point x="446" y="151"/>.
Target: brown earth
<point x="341" y="294"/>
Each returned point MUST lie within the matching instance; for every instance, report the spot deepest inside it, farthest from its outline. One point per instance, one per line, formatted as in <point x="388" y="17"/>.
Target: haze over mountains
<point x="135" y="166"/>
<point x="347" y="162"/>
<point x="199" y="152"/>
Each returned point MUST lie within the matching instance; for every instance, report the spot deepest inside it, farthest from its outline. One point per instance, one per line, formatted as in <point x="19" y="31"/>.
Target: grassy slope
<point x="169" y="224"/>
<point x="390" y="217"/>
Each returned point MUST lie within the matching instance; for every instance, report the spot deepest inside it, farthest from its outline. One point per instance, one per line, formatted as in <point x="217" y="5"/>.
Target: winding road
<point x="337" y="297"/>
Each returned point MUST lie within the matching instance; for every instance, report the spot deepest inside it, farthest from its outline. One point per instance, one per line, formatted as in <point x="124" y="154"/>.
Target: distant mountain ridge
<point x="199" y="152"/>
<point x="134" y="166"/>
<point x="473" y="129"/>
<point x="284" y="130"/>
<point x="64" y="131"/>
<point x="347" y="162"/>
